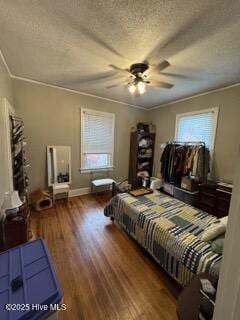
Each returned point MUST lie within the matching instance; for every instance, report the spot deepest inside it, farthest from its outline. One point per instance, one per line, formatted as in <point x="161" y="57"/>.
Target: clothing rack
<point x="20" y="178"/>
<point x="193" y="144"/>
<point x="187" y="142"/>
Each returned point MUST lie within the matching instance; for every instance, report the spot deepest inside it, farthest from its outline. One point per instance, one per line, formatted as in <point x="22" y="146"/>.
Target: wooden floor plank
<point x="103" y="272"/>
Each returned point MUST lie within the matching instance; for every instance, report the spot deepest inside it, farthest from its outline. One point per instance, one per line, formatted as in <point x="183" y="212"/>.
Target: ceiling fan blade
<point x="161" y="84"/>
<point x="113" y="86"/>
<point x="161" y="66"/>
<point x="99" y="41"/>
<point x="104" y="76"/>
<point x="118" y="69"/>
<point x="121" y="83"/>
<point x="91" y="79"/>
<point x="177" y="75"/>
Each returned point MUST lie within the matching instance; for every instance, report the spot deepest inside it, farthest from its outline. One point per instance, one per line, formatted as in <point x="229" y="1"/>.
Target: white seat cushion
<point x="102" y="182"/>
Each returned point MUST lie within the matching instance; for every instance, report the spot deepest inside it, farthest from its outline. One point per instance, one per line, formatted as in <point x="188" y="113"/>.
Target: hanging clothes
<point x="172" y="162"/>
<point x="201" y="166"/>
<point x="179" y="160"/>
<point x="165" y="161"/>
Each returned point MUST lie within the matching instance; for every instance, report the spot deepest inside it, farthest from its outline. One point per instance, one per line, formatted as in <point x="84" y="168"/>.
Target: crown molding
<point x="107" y="99"/>
<point x="75" y="91"/>
<point x="5" y="64"/>
<point x="194" y="96"/>
<point x="62" y="88"/>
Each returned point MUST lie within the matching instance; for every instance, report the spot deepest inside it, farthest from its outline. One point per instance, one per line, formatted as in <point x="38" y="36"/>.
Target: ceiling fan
<point x="139" y="80"/>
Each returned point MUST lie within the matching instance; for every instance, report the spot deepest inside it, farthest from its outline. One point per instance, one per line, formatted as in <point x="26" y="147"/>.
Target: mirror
<point x="59" y="165"/>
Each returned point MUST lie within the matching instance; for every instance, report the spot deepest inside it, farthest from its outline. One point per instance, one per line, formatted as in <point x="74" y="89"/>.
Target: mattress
<point x="170" y="230"/>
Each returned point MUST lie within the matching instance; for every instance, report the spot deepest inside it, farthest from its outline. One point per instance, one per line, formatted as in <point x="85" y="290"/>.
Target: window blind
<point x="196" y="127"/>
<point x="97" y="139"/>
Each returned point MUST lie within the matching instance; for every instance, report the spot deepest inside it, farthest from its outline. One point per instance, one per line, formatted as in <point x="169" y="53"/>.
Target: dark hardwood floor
<point x="103" y="272"/>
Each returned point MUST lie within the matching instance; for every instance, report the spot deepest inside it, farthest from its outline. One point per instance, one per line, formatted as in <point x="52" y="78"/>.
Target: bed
<point x="170" y="230"/>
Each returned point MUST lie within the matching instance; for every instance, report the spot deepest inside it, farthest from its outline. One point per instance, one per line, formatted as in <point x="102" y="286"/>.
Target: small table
<point x="103" y="182"/>
<point x="60" y="188"/>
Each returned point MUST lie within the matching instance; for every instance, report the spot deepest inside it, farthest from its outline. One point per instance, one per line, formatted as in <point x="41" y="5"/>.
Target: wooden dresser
<point x="16" y="231"/>
<point x="213" y="199"/>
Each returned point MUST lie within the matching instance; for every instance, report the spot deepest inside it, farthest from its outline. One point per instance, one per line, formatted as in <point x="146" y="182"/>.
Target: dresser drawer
<point x="207" y="208"/>
<point x="207" y="199"/>
<point x="220" y="212"/>
<point x="223" y="202"/>
<point x="224" y="195"/>
<point x="213" y="200"/>
<point x="209" y="189"/>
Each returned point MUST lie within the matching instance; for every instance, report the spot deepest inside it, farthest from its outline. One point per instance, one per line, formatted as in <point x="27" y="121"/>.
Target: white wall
<point x="228" y="129"/>
<point x="228" y="296"/>
<point x="5" y="92"/>
<point x="52" y="117"/>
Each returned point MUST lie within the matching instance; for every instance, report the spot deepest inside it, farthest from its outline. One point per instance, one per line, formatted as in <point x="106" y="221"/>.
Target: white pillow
<point x="214" y="230"/>
<point x="224" y="221"/>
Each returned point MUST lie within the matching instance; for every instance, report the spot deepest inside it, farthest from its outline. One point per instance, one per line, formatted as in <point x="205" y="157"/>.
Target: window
<point x="97" y="140"/>
<point x="197" y="126"/>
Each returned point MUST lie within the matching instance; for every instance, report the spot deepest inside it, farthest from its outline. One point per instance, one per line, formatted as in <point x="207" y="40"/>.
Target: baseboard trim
<point x="87" y="190"/>
<point x="79" y="192"/>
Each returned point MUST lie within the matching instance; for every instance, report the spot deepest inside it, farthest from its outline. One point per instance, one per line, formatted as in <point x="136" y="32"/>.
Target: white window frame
<point x="215" y="122"/>
<point x="109" y="114"/>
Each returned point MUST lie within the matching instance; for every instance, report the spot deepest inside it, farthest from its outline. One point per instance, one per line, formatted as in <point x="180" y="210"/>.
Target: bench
<point x="101" y="183"/>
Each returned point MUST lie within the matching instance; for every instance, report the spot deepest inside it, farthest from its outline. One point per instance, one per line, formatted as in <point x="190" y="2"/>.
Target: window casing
<point x="97" y="140"/>
<point x="197" y="126"/>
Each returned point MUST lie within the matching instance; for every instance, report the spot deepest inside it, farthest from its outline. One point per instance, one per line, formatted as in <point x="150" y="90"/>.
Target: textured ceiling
<point x="71" y="44"/>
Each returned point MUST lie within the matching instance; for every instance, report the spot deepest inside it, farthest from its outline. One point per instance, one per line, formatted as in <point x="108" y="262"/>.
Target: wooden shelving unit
<point x="141" y="156"/>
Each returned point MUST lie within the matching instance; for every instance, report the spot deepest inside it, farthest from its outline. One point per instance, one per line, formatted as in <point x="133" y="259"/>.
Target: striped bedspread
<point x="169" y="230"/>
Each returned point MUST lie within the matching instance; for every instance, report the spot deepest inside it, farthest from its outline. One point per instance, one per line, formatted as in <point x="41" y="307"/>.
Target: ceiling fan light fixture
<point x="141" y="87"/>
<point x="132" y="88"/>
<point x="138" y="80"/>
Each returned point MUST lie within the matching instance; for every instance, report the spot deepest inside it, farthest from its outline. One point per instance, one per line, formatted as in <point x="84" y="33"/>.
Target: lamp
<point x="11" y="200"/>
<point x="137" y="86"/>
<point x="141" y="87"/>
<point x="132" y="88"/>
